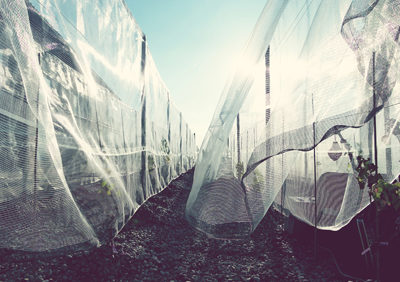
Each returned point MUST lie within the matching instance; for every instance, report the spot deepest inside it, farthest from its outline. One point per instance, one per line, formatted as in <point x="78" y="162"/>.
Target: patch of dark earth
<point x="157" y="244"/>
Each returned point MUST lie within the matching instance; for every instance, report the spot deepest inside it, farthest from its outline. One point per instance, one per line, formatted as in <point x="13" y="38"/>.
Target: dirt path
<point x="159" y="245"/>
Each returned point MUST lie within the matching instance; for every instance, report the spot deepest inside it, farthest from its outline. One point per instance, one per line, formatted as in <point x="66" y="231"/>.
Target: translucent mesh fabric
<point x="298" y="111"/>
<point x="87" y="128"/>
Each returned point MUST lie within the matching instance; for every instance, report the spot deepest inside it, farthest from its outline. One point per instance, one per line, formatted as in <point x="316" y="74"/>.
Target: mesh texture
<point x="297" y="112"/>
<point x="88" y="131"/>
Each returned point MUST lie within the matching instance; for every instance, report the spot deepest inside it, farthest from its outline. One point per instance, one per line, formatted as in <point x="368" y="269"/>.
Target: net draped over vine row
<point x="297" y="112"/>
<point x="87" y="128"/>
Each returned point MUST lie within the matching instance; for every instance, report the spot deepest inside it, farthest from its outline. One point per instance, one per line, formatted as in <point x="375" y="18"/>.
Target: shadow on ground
<point x="158" y="244"/>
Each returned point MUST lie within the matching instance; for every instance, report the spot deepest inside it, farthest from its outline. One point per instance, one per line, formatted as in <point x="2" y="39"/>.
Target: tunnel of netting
<point x="88" y="131"/>
<point x="295" y="114"/>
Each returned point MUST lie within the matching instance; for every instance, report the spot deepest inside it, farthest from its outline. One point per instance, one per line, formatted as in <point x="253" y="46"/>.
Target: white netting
<point x="87" y="128"/>
<point x="313" y="64"/>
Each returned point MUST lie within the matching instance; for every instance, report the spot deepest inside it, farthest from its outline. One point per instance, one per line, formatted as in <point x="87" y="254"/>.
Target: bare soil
<point x="158" y="244"/>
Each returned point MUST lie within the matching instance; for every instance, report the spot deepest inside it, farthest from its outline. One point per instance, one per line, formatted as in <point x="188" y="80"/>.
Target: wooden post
<point x="125" y="158"/>
<point x="186" y="147"/>
<point x="315" y="183"/>
<point x="376" y="168"/>
<point x="35" y="165"/>
<point x="247" y="145"/>
<point x="180" y="144"/>
<point x="143" y="171"/>
<point x="388" y="149"/>
<point x="238" y="137"/>
<point x="283" y="189"/>
<point x="169" y="138"/>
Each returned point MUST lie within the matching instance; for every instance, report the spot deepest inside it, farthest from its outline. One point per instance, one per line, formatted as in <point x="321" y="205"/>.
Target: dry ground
<point x="159" y="245"/>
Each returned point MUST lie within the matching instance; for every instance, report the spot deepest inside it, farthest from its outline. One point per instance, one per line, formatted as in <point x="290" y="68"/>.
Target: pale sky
<point x="194" y="44"/>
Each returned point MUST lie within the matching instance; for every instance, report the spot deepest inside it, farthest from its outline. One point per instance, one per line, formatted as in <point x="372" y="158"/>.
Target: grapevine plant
<point x="385" y="194"/>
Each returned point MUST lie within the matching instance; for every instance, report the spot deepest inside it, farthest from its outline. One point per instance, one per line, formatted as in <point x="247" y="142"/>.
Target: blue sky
<point x="195" y="44"/>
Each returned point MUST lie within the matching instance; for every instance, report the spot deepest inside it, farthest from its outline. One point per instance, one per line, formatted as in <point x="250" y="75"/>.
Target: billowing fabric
<point x="87" y="128"/>
<point x="298" y="111"/>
